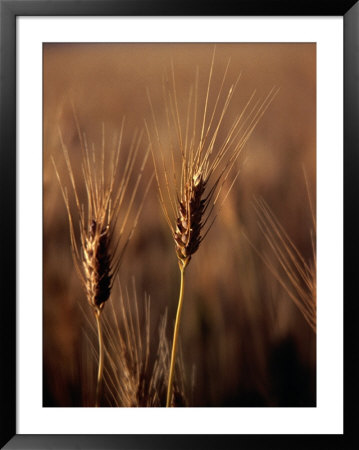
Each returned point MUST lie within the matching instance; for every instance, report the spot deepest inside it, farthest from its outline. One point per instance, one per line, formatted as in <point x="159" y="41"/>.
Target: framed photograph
<point x="176" y="179"/>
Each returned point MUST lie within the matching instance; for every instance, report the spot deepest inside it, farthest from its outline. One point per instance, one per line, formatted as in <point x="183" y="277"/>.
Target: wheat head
<point x="201" y="158"/>
<point x="296" y="275"/>
<point x="192" y="168"/>
<point x="104" y="214"/>
<point x="101" y="241"/>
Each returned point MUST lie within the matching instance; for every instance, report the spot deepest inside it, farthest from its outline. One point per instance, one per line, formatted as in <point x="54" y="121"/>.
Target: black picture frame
<point x="9" y="10"/>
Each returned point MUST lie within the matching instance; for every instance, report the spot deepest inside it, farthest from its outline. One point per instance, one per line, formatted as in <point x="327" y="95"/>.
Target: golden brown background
<point x="241" y="335"/>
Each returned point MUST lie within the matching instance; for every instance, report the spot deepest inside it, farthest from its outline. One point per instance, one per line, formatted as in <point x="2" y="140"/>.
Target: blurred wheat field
<point x="243" y="341"/>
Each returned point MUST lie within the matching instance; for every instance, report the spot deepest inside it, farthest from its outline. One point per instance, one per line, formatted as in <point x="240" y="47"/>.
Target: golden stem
<point x="175" y="338"/>
<point x="100" y="358"/>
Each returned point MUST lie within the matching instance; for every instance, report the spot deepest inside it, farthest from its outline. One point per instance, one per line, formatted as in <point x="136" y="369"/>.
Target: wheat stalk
<point x="103" y="217"/>
<point x="201" y="160"/>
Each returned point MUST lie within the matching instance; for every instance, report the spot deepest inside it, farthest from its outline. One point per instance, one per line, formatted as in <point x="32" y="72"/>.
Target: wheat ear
<point x="99" y="246"/>
<point x="297" y="275"/>
<point x="200" y="164"/>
